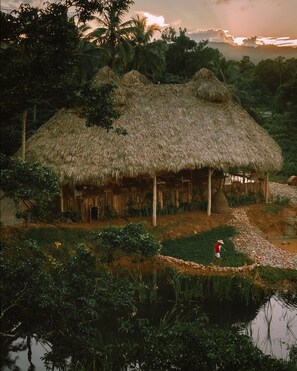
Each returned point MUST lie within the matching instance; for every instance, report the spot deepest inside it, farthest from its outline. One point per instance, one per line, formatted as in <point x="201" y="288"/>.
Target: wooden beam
<point x="210" y="171"/>
<point x="267" y="188"/>
<point x="244" y="182"/>
<point x="155" y="201"/>
<point x="61" y="199"/>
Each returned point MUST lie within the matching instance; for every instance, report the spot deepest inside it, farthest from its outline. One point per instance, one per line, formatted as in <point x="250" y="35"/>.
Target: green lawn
<point x="199" y="248"/>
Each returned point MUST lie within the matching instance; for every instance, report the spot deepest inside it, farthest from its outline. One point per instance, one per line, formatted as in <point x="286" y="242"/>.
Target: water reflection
<point x="274" y="329"/>
<point x="26" y="359"/>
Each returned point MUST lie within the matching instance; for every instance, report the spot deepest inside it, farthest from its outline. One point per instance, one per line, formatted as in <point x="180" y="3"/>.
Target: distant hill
<point x="256" y="54"/>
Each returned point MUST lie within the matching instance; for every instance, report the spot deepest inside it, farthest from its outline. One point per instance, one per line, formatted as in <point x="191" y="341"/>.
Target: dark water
<point x="272" y="326"/>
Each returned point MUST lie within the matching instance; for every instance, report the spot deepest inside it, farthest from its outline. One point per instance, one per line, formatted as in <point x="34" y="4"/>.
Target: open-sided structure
<point x="178" y="134"/>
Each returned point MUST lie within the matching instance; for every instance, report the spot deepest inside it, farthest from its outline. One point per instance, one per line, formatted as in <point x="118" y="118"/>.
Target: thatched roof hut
<point x="170" y="127"/>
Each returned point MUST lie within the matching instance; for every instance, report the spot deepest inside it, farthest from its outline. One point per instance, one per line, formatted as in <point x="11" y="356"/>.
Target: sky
<point x="248" y="22"/>
<point x="238" y="22"/>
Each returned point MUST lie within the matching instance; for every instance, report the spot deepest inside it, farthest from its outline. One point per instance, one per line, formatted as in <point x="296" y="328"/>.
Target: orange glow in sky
<point x="258" y="22"/>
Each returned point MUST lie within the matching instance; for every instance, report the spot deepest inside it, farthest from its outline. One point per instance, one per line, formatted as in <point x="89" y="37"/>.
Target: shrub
<point x="196" y="345"/>
<point x="281" y="200"/>
<point x="293" y="354"/>
<point x="244" y="199"/>
<point x="70" y="216"/>
<point x="128" y="240"/>
<point x="278" y="203"/>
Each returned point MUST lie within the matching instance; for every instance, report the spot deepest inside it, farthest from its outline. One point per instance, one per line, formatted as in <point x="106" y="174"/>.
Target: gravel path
<point x="277" y="189"/>
<point x="251" y="242"/>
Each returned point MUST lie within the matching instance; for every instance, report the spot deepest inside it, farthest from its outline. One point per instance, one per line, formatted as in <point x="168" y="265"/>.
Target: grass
<point x="276" y="275"/>
<point x="199" y="248"/>
<point x="69" y="237"/>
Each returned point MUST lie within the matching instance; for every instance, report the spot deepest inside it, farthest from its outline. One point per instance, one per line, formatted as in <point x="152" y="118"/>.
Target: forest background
<point x="48" y="60"/>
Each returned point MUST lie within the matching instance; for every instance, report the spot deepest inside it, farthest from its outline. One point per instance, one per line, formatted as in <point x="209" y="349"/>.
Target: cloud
<point x="250" y="41"/>
<point x="151" y="18"/>
<point x="223" y="36"/>
<point x="212" y="35"/>
<point x="278" y="41"/>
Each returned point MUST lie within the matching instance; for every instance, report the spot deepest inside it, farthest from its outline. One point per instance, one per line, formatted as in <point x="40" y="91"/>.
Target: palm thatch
<point x="170" y="128"/>
<point x="208" y="88"/>
<point x="106" y="75"/>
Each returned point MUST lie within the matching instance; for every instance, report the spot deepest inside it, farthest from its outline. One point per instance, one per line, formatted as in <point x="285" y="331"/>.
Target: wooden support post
<point x="209" y="191"/>
<point x="267" y="188"/>
<point x="155" y="201"/>
<point x="244" y="183"/>
<point x="61" y="199"/>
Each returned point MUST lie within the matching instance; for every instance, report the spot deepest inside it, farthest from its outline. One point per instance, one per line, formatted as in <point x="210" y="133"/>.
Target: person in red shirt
<point x="217" y="248"/>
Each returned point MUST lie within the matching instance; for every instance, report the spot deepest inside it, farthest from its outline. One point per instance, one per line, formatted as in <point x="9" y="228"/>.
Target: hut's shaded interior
<point x="129" y="197"/>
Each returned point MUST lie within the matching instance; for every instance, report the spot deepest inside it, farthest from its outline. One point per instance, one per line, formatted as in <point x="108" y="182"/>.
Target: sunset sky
<point x="271" y="21"/>
<point x="249" y="22"/>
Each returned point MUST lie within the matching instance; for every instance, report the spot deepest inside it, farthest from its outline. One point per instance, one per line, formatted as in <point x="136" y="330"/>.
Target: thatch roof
<point x="170" y="128"/>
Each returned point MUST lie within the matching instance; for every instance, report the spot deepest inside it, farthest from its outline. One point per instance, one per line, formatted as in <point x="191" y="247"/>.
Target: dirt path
<point x="251" y="241"/>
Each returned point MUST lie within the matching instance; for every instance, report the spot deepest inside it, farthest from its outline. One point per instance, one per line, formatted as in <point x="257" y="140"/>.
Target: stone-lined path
<point x="251" y="242"/>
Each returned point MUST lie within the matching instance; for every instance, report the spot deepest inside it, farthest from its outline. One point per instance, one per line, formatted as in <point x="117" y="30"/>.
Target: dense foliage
<point x="97" y="106"/>
<point x="30" y="183"/>
<point x="74" y="305"/>
<point x="127" y="240"/>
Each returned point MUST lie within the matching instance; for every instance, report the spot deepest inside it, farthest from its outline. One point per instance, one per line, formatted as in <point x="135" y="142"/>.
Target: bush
<point x="251" y="198"/>
<point x="278" y="203"/>
<point x="168" y="209"/>
<point x="128" y="240"/>
<point x="196" y="345"/>
<point x="281" y="200"/>
<point x="70" y="216"/>
<point x="293" y="354"/>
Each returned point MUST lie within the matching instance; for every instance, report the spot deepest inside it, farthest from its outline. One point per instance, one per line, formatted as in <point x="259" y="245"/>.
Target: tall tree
<point x="148" y="57"/>
<point x="113" y="34"/>
<point x="38" y="65"/>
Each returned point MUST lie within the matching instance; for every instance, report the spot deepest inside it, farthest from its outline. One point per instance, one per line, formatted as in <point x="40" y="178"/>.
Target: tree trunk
<point x="61" y="199"/>
<point x="24" y="129"/>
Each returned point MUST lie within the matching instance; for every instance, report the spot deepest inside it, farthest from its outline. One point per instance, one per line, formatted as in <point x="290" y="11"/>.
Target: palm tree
<point x="148" y="57"/>
<point x="142" y="33"/>
<point x="88" y="55"/>
<point x="112" y="34"/>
